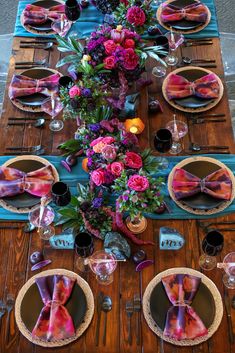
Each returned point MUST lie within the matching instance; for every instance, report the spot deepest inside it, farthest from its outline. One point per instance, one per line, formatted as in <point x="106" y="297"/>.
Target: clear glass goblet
<point x="174" y="40"/>
<point x="229" y="267"/>
<point x="178" y="129"/>
<point x="41" y="218"/>
<point x="103" y="264"/>
<point x="53" y="107"/>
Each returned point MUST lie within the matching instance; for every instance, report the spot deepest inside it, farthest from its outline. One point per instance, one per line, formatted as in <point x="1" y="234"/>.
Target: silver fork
<point x="9" y="306"/>
<point x="129" y="311"/>
<point x="2" y="311"/>
<point x="22" y="148"/>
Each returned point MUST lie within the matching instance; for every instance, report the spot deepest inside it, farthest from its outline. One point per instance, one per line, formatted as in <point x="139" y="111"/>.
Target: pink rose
<point x="116" y="168"/>
<point x="133" y="160"/>
<point x="130" y="59"/>
<point x="74" y="91"/>
<point x="138" y="183"/>
<point x="117" y="36"/>
<point x="108" y="140"/>
<point x="136" y="16"/>
<point x="129" y="43"/>
<point x="109" y="152"/>
<point x="110" y="47"/>
<point x="97" y="176"/>
<point x="109" y="62"/>
<point x="94" y="142"/>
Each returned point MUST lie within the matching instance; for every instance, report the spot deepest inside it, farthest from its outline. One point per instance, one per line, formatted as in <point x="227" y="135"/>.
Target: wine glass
<point x="72" y="10"/>
<point x="53" y="107"/>
<point x="229" y="267"/>
<point x="159" y="71"/>
<point x="61" y="195"/>
<point x="41" y="218"/>
<point x="84" y="247"/>
<point x="212" y="245"/>
<point x="162" y="143"/>
<point x="103" y="264"/>
<point x="178" y="129"/>
<point x="174" y="40"/>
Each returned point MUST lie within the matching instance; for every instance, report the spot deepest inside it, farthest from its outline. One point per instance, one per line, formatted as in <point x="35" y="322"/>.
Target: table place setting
<point x="117" y="179"/>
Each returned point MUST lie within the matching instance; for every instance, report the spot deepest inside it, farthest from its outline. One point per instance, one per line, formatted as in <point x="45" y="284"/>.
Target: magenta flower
<point x="138" y="183"/>
<point x="74" y="91"/>
<point x="109" y="152"/>
<point x="130" y="59"/>
<point x="136" y="16"/>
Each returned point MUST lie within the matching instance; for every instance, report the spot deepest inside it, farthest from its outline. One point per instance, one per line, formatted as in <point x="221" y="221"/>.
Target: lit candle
<point x="135" y="126"/>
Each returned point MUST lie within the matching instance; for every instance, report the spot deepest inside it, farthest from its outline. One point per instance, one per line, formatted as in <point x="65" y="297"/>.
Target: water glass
<point x="103" y="264"/>
<point x="229" y="277"/>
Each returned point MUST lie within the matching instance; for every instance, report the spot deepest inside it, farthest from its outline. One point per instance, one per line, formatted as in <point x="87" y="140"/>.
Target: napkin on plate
<point x="54" y="322"/>
<point x="193" y="12"/>
<point x="182" y="322"/>
<point x="205" y="87"/>
<point x="14" y="181"/>
<point x="217" y="184"/>
<point x="21" y="85"/>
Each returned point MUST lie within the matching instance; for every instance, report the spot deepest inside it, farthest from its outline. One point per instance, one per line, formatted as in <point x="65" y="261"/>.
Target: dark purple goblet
<point x="60" y="194"/>
<point x="163" y="140"/>
<point x="84" y="247"/>
<point x="212" y="245"/>
<point x="72" y="10"/>
<point x="64" y="81"/>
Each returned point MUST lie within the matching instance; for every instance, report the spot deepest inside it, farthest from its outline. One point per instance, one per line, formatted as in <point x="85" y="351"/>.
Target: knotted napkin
<point x="33" y="14"/>
<point x="14" y="181"/>
<point x="217" y="184"/>
<point x="54" y="322"/>
<point x="205" y="87"/>
<point x="193" y="12"/>
<point x="182" y="322"/>
<point x="25" y="86"/>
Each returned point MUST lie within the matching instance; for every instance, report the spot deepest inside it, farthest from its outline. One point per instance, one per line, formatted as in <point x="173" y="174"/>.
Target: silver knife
<point x="228" y="312"/>
<point x="99" y="304"/>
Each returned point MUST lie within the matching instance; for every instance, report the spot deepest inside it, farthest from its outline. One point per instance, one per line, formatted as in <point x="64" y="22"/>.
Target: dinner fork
<point x="2" y="311"/>
<point x="9" y="306"/>
<point x="26" y="148"/>
<point x="129" y="311"/>
<point x="137" y="309"/>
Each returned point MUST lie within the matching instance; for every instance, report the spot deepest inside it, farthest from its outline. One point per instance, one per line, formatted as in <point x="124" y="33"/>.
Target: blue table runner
<point x="91" y="18"/>
<point x="78" y="175"/>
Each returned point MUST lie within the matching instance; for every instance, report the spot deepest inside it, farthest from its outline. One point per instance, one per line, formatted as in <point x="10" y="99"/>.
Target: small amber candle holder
<point x="135" y="125"/>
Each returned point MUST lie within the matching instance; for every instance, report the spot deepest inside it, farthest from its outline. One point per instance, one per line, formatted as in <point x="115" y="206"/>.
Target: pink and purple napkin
<point x="14" y="181"/>
<point x="21" y="85"/>
<point x="54" y="322"/>
<point x="182" y="322"/>
<point x="217" y="184"/>
<point x="33" y="14"/>
<point x="193" y="12"/>
<point x="205" y="87"/>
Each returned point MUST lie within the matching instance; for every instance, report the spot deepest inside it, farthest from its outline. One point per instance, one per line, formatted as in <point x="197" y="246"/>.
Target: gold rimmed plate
<point x="192" y="104"/>
<point x="201" y="203"/>
<point x="24" y="203"/>
<point x="80" y="307"/>
<point x="207" y="304"/>
<point x="183" y="26"/>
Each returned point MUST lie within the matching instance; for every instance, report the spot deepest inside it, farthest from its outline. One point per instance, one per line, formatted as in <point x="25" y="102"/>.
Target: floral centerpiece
<point x="115" y="56"/>
<point x="135" y="15"/>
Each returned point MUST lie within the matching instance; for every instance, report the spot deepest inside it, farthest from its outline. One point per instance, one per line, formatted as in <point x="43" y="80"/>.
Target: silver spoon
<point x="39" y="62"/>
<point x="197" y="148"/>
<point x="106" y="307"/>
<point x="37" y="123"/>
<point x="38" y="46"/>
<point x="187" y="60"/>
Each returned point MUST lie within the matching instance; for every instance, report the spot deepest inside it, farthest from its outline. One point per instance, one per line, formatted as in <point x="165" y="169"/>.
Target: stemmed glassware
<point x="103" y="264"/>
<point x="84" y="247"/>
<point x="41" y="218"/>
<point x="72" y="10"/>
<point x="212" y="245"/>
<point x="174" y="40"/>
<point x="178" y="129"/>
<point x="229" y="267"/>
<point x="53" y="107"/>
<point x="162" y="143"/>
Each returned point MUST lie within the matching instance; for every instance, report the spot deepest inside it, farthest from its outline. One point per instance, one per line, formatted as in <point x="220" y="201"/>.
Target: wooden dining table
<point x="16" y="246"/>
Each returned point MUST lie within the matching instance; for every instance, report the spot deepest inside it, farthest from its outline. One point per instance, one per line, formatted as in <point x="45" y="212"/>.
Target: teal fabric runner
<point x="78" y="175"/>
<point x="91" y="18"/>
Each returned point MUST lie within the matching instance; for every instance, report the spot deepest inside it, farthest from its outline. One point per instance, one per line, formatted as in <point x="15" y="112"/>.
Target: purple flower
<point x="89" y="153"/>
<point x="94" y="127"/>
<point x="97" y="202"/>
<point x="125" y="197"/>
<point x="89" y="162"/>
<point x="109" y="177"/>
<point x="86" y="92"/>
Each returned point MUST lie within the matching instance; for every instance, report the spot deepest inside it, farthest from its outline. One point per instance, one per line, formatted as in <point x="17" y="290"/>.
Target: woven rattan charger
<point x="80" y="330"/>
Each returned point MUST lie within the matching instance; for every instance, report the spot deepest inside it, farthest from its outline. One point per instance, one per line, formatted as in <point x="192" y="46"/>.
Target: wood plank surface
<point x="16" y="247"/>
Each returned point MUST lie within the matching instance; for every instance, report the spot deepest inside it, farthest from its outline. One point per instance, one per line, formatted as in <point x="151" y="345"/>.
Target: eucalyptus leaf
<point x="67" y="59"/>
